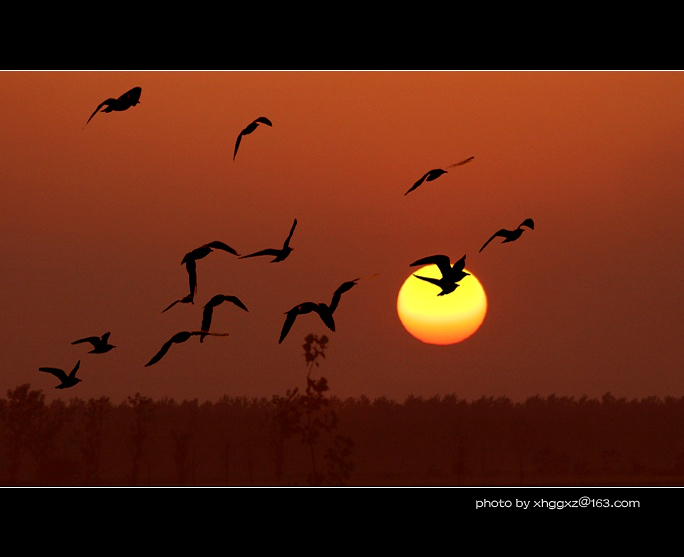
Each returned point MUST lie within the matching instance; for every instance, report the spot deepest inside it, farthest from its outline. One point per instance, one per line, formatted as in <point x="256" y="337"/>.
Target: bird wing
<point x="431" y="280"/>
<point x="214" y="301"/>
<point x="442" y="261"/>
<point x="268" y="251"/>
<point x="418" y="183"/>
<point x="501" y="233"/>
<point x="222" y="246"/>
<point x="159" y="355"/>
<point x="344" y="287"/>
<point x="92" y="340"/>
<point x="527" y="222"/>
<point x="191" y="267"/>
<point x="287" y="325"/>
<point x="264" y="120"/>
<point x="59" y="373"/>
<point x="170" y="306"/>
<point x="189" y="299"/>
<point x="235" y="300"/>
<point x="289" y="236"/>
<point x="73" y="371"/>
<point x="206" y="319"/>
<point x="326" y="315"/>
<point x="132" y="97"/>
<point x="237" y="144"/>
<point x="103" y="103"/>
<point x="105" y="337"/>
<point x="459" y="265"/>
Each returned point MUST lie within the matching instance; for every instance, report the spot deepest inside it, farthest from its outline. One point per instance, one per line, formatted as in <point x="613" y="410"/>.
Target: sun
<point x="444" y="319"/>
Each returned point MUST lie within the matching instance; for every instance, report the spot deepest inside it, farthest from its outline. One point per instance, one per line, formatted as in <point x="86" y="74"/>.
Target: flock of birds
<point x="451" y="274"/>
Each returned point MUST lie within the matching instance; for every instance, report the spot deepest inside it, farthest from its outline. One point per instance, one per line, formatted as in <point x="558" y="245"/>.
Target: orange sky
<point x="96" y="219"/>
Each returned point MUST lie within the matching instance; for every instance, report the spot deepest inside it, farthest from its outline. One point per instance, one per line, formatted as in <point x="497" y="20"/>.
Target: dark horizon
<point x="441" y="441"/>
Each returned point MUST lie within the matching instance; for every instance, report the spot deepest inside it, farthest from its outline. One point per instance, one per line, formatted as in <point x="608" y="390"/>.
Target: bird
<point x="177" y="339"/>
<point x="279" y="254"/>
<point x="322" y="310"/>
<point x="209" y="310"/>
<point x="249" y="129"/>
<point x="124" y="102"/>
<point x="191" y="257"/>
<point x="66" y="380"/>
<point x="189" y="299"/>
<point x="100" y="344"/>
<point x="325" y="312"/>
<point x="451" y="274"/>
<point x="511" y="235"/>
<point x="435" y="173"/>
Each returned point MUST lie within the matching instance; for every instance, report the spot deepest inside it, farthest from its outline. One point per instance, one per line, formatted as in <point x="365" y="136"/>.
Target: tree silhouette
<point x="285" y="416"/>
<point x="320" y="418"/>
<point x="181" y="454"/>
<point x="96" y="411"/>
<point x="22" y="414"/>
<point x="51" y="469"/>
<point x="142" y="407"/>
<point x="183" y="441"/>
<point x="552" y="440"/>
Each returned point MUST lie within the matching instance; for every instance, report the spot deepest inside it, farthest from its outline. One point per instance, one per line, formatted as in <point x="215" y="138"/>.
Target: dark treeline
<point x="309" y="437"/>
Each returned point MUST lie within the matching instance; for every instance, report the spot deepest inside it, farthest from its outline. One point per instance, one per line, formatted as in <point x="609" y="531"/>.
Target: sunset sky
<point x="96" y="219"/>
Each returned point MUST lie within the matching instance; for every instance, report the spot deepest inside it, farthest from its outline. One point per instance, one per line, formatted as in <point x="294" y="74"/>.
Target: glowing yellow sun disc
<point x="444" y="319"/>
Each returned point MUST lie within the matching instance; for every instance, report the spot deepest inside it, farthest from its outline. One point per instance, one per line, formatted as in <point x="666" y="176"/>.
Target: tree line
<point x="310" y="438"/>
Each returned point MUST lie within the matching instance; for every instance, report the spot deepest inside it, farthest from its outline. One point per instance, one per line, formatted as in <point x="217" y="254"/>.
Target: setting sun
<point x="444" y="319"/>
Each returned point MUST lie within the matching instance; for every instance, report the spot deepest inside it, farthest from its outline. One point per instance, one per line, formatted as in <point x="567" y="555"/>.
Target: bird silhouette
<point x="324" y="311"/>
<point x="451" y="274"/>
<point x="249" y="129"/>
<point x="190" y="258"/>
<point x="279" y="254"/>
<point x="209" y="310"/>
<point x="511" y="235"/>
<point x="100" y="344"/>
<point x="66" y="380"/>
<point x="177" y="339"/>
<point x="435" y="173"/>
<point x="189" y="299"/>
<point x="124" y="102"/>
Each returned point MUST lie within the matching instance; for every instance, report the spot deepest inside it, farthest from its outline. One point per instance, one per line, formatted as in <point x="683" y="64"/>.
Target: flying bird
<point x="209" y="310"/>
<point x="451" y="274"/>
<point x="325" y="312"/>
<point x="249" y="129"/>
<point x="189" y="299"/>
<point x="278" y="254"/>
<point x="435" y="173"/>
<point x="511" y="235"/>
<point x="66" y="380"/>
<point x="191" y="257"/>
<point x="177" y="339"/>
<point x="322" y="310"/>
<point x="100" y="344"/>
<point x="124" y="102"/>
